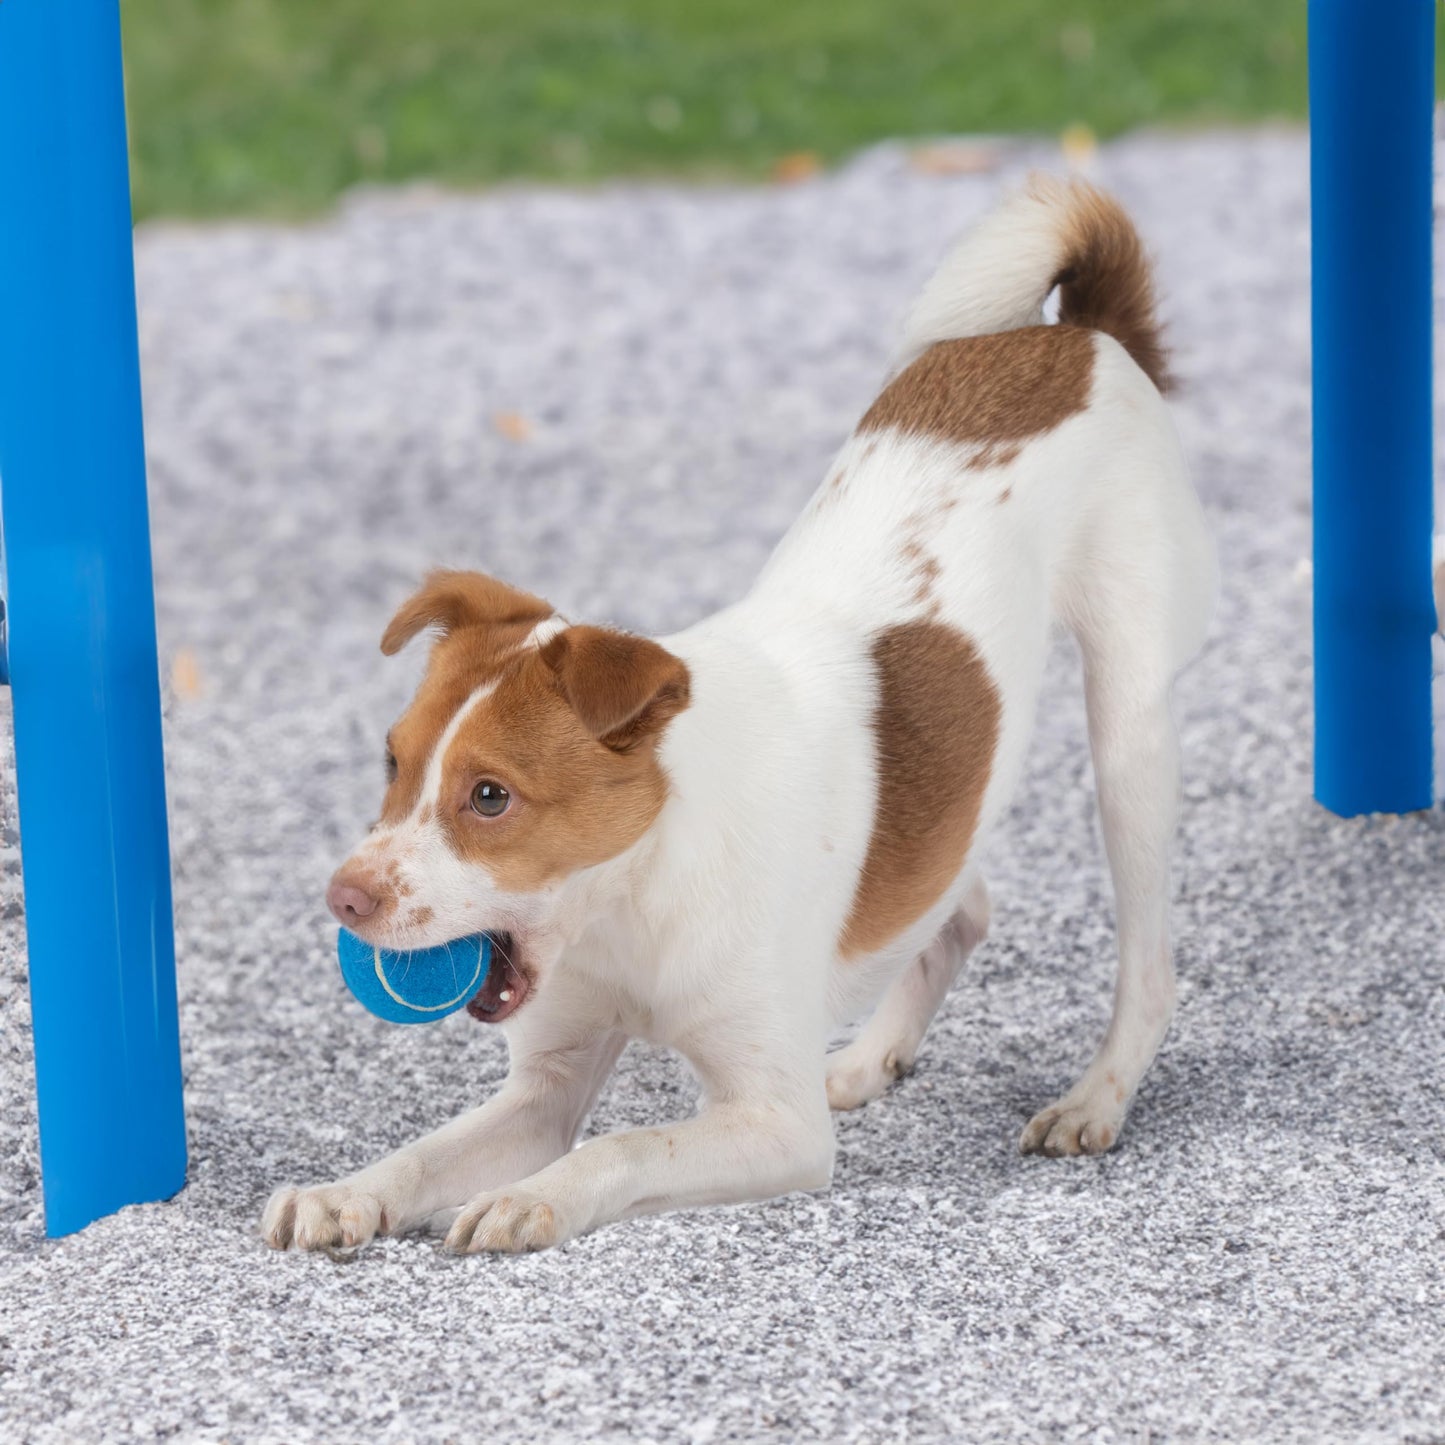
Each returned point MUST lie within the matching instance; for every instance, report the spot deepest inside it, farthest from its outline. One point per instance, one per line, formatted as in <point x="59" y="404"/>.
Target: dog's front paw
<point x="509" y="1221"/>
<point x="1078" y="1124"/>
<point x="329" y="1216"/>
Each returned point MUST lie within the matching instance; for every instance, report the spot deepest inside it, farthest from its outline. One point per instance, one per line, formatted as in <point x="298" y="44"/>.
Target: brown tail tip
<point x="1105" y="281"/>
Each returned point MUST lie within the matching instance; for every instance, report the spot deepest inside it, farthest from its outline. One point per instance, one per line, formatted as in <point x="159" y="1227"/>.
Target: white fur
<point x="998" y="275"/>
<point x="718" y="932"/>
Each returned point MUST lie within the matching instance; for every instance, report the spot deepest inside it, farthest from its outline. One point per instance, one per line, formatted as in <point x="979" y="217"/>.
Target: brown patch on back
<point x="995" y="389"/>
<point x="935" y="730"/>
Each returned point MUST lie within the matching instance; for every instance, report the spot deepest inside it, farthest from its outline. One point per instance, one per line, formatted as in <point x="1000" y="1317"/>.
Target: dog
<point x="733" y="840"/>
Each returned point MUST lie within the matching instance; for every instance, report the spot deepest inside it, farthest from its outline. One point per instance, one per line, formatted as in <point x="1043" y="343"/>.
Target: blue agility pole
<point x="81" y="621"/>
<point x="1372" y="96"/>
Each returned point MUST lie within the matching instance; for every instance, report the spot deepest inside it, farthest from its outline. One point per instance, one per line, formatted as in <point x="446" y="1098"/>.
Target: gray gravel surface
<point x="1260" y="1259"/>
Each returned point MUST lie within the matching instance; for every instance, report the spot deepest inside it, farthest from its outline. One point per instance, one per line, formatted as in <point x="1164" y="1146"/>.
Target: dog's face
<point x="528" y="754"/>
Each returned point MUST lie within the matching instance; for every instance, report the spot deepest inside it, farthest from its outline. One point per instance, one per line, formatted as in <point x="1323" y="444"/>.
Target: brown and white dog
<point x="735" y="839"/>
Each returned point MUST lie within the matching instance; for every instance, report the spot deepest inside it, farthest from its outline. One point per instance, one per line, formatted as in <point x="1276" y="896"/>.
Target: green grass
<point x="275" y="106"/>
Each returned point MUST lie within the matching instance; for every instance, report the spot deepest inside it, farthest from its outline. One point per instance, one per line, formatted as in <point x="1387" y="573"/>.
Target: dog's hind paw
<point x="1075" y="1125"/>
<point x="861" y="1072"/>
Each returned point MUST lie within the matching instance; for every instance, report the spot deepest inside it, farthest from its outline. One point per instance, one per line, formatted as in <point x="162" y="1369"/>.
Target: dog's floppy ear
<point x="449" y="600"/>
<point x="625" y="689"/>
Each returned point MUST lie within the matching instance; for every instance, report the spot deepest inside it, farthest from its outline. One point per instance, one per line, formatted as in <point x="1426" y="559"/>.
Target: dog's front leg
<point x="531" y="1120"/>
<point x="752" y="1147"/>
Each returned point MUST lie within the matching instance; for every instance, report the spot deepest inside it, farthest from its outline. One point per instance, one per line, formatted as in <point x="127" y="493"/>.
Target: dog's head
<point x="528" y="755"/>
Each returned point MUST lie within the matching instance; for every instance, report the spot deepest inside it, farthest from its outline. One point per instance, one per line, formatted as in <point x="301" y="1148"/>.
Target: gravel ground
<point x="620" y="398"/>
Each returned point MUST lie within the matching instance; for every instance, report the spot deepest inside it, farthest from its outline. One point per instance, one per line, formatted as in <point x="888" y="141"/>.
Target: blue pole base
<point x="1372" y="97"/>
<point x="81" y="620"/>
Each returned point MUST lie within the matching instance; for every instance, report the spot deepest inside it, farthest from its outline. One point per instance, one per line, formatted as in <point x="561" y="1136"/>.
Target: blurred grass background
<point x="273" y="107"/>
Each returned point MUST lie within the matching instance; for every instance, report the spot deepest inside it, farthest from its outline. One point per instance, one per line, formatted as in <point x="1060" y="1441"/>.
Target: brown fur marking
<point x="452" y="600"/>
<point x="935" y="728"/>
<point x="830" y="491"/>
<point x="992" y="454"/>
<point x="994" y="389"/>
<point x="923" y="565"/>
<point x="571" y="732"/>
<point x="1106" y="283"/>
<point x="569" y="729"/>
<point x="482" y="622"/>
<point x="625" y="689"/>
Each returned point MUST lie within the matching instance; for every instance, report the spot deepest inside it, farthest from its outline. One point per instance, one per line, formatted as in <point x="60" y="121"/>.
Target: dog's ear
<point x="625" y="689"/>
<point x="449" y="600"/>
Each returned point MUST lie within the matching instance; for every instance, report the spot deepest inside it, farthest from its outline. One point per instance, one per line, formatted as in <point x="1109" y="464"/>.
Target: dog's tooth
<point x="505" y="995"/>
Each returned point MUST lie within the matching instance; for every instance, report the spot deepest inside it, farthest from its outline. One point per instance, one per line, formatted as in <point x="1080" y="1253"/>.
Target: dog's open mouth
<point x="507" y="985"/>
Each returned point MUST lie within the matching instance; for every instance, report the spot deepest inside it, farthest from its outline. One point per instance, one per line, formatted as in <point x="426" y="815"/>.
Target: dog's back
<point x="1011" y="473"/>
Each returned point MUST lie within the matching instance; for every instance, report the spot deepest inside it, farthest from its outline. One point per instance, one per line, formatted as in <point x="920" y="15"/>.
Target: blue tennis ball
<point x="416" y="987"/>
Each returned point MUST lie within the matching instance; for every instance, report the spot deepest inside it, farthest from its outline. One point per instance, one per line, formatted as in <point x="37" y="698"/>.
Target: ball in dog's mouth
<point x="506" y="986"/>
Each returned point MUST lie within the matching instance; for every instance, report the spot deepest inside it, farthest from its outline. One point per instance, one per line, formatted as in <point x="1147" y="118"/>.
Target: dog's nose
<point x="348" y="902"/>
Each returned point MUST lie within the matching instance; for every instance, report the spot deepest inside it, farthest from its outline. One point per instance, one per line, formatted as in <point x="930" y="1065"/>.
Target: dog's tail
<point x="1051" y="233"/>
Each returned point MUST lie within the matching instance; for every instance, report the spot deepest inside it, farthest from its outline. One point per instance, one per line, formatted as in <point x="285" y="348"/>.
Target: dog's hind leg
<point x="1138" y="778"/>
<point x="887" y="1045"/>
<point x="1139" y="612"/>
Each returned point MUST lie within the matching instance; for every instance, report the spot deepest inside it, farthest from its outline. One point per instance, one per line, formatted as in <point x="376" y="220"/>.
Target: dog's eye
<point x="390" y="766"/>
<point x="490" y="799"/>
